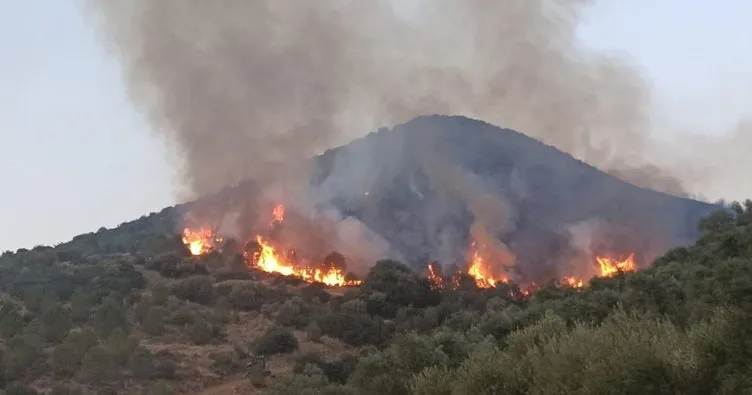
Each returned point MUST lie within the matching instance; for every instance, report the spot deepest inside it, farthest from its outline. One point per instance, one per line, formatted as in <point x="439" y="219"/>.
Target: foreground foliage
<point x="77" y="318"/>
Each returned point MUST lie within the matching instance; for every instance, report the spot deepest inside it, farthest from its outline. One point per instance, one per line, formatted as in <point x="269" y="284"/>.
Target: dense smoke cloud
<point x="250" y="89"/>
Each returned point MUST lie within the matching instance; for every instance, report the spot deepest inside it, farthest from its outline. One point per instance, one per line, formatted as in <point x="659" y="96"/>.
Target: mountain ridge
<point x="384" y="180"/>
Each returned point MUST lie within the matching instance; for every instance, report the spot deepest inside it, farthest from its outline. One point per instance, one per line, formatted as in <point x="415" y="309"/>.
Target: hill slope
<point x="415" y="187"/>
<point x="391" y="181"/>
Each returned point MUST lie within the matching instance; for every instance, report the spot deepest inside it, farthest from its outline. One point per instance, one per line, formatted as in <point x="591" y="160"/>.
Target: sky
<point x="75" y="155"/>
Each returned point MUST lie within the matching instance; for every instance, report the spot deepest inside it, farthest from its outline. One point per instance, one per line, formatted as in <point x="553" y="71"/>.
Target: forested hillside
<point x="86" y="322"/>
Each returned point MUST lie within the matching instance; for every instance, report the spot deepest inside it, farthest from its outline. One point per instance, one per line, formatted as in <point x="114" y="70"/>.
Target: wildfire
<point x="435" y="276"/>
<point x="609" y="267"/>
<point x="278" y="214"/>
<point x="574" y="282"/>
<point x="481" y="272"/>
<point x="201" y="241"/>
<point x="269" y="260"/>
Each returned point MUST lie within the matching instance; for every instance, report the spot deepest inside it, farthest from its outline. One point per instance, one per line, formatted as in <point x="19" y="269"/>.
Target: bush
<point x="81" y="304"/>
<point x="161" y="387"/>
<point x="336" y="372"/>
<point x="355" y="329"/>
<point x="98" y="366"/>
<point x="64" y="390"/>
<point x="195" y="289"/>
<point x="313" y="331"/>
<point x="55" y="322"/>
<point x="202" y="332"/>
<point x="20" y="355"/>
<point x="109" y="316"/>
<point x="251" y="297"/>
<point x="294" y="312"/>
<point x="11" y="322"/>
<point x="226" y="363"/>
<point x="19" y="389"/>
<point x="145" y="365"/>
<point x="173" y="266"/>
<point x="153" y="323"/>
<point x="276" y="341"/>
<point x="400" y="286"/>
<point x="160" y="294"/>
<point x="121" y="346"/>
<point x="183" y="316"/>
<point x="67" y="357"/>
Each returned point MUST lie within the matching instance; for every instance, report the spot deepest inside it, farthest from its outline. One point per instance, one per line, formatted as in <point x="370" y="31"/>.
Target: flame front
<point x="574" y="282"/>
<point x="278" y="214"/>
<point x="270" y="261"/>
<point x="199" y="242"/>
<point x="609" y="267"/>
<point x="481" y="272"/>
<point x="435" y="277"/>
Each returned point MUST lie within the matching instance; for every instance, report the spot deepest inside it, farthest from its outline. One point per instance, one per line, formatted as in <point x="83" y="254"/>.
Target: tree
<point x="109" y="316"/>
<point x="145" y="365"/>
<point x="400" y="287"/>
<point x="20" y="354"/>
<point x="153" y="323"/>
<point x="11" y="323"/>
<point x="276" y="341"/>
<point x="202" y="332"/>
<point x="98" y="366"/>
<point x="120" y="346"/>
<point x="67" y="357"/>
<point x="56" y="322"/>
<point x="197" y="289"/>
<point x="313" y="331"/>
<point x="80" y="305"/>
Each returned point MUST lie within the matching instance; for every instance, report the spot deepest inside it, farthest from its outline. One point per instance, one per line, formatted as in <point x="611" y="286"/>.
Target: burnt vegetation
<point x="77" y="320"/>
<point x="129" y="310"/>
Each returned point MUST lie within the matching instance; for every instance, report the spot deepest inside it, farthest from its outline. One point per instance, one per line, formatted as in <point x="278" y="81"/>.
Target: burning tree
<point x="267" y="253"/>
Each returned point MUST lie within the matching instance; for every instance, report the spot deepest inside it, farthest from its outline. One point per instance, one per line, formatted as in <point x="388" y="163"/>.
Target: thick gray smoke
<point x="251" y="89"/>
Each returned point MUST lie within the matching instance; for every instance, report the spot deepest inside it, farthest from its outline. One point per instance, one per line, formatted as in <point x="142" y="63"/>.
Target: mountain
<point x="414" y="187"/>
<point x="388" y="181"/>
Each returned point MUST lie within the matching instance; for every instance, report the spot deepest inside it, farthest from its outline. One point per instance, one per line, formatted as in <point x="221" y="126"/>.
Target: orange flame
<point x="610" y="267"/>
<point x="574" y="282"/>
<point x="278" y="214"/>
<point x="270" y="261"/>
<point x="435" y="277"/>
<point x="201" y="241"/>
<point x="481" y="272"/>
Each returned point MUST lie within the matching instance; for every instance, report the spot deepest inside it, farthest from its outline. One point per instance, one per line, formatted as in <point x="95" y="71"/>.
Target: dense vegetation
<point x="148" y="319"/>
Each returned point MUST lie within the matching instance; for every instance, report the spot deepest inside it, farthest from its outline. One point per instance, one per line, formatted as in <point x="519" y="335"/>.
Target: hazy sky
<point x="76" y="156"/>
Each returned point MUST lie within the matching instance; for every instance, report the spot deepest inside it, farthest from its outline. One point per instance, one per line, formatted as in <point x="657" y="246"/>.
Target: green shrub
<point x="55" y="322"/>
<point x="226" y="363"/>
<point x="145" y="365"/>
<point x="98" y="366"/>
<point x="159" y="294"/>
<point x="109" y="316"/>
<point x="20" y="355"/>
<point x="19" y="389"/>
<point x="153" y="323"/>
<point x="197" y="289"/>
<point x="161" y="387"/>
<point x="60" y="389"/>
<point x="276" y="341"/>
<point x="202" y="332"/>
<point x="313" y="331"/>
<point x="121" y="346"/>
<point x="81" y="304"/>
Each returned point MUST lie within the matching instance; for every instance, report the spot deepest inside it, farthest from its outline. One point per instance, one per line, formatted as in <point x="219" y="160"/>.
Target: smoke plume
<point x="251" y="89"/>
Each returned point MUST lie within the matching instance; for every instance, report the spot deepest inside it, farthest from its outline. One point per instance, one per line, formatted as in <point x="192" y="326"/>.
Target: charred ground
<point x="128" y="310"/>
<point x="388" y="181"/>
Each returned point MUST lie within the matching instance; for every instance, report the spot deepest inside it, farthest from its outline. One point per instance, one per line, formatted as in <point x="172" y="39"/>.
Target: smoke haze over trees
<point x="251" y="89"/>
